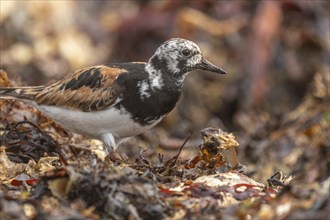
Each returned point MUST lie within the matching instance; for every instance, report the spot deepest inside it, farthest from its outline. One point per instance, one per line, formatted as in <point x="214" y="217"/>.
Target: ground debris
<point x="216" y="144"/>
<point x="24" y="141"/>
<point x="113" y="192"/>
<point x="216" y="154"/>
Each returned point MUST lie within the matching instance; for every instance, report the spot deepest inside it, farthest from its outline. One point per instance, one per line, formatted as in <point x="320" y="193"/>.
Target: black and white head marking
<point x="172" y="61"/>
<point x="179" y="55"/>
<point x="175" y="57"/>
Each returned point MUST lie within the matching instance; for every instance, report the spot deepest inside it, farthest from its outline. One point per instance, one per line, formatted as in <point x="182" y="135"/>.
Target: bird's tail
<point x="25" y="93"/>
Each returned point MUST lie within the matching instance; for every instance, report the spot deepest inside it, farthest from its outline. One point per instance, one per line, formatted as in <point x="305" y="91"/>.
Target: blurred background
<point x="275" y="97"/>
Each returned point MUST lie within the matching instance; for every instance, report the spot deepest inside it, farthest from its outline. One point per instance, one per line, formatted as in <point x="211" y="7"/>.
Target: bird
<point x="119" y="100"/>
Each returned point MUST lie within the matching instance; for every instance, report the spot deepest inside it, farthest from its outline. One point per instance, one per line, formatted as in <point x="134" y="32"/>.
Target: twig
<point x="184" y="143"/>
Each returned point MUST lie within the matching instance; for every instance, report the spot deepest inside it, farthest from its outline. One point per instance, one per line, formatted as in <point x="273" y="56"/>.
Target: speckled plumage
<point x="112" y="102"/>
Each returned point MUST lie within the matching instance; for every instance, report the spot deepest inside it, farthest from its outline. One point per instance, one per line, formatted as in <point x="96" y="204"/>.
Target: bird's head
<point x="179" y="56"/>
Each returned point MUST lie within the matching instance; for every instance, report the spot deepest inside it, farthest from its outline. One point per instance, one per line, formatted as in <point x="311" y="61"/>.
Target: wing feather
<point x="89" y="89"/>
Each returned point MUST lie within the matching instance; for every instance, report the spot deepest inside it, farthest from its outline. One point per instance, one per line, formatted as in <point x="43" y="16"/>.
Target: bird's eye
<point x="185" y="52"/>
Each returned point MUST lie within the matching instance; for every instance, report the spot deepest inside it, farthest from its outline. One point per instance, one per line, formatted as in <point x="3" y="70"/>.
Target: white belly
<point x="95" y="124"/>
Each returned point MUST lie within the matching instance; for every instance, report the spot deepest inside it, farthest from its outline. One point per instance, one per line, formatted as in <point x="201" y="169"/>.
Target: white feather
<point x="143" y="89"/>
<point x="98" y="124"/>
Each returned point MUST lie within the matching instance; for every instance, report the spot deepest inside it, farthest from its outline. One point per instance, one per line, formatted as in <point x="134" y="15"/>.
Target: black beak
<point x="207" y="65"/>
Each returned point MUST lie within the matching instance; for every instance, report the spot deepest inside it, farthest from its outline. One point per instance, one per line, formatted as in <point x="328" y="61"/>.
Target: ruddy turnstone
<point x="120" y="100"/>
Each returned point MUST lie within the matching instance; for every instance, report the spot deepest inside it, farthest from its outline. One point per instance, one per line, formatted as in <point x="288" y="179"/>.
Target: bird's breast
<point x="150" y="108"/>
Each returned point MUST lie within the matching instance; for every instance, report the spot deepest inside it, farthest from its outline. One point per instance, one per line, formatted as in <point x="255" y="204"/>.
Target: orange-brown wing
<point x="89" y="89"/>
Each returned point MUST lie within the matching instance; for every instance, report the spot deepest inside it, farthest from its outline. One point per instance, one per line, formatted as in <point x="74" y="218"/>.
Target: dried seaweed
<point x="25" y="141"/>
